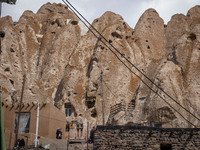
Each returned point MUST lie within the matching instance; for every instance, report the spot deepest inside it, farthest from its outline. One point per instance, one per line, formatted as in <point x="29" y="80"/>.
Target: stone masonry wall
<point x="146" y="138"/>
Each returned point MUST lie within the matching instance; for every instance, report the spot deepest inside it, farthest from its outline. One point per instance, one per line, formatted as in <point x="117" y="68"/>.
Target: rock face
<point x="63" y="66"/>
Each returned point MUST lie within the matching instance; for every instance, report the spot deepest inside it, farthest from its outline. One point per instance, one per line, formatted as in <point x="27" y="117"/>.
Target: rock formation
<point x="63" y="66"/>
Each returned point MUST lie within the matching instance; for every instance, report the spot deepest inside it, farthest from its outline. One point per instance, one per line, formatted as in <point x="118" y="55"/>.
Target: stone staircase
<point x="117" y="108"/>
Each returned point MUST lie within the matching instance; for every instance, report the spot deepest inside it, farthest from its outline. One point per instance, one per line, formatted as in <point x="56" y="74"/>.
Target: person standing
<point x="37" y="141"/>
<point x="18" y="143"/>
<point x="59" y="133"/>
<point x="92" y="134"/>
<point x="22" y="143"/>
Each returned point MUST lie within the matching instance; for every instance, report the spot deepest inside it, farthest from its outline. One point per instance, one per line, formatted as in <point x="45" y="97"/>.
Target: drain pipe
<point x="37" y="123"/>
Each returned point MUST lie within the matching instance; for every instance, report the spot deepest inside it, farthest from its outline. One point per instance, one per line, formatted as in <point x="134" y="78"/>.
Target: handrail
<point x="120" y="107"/>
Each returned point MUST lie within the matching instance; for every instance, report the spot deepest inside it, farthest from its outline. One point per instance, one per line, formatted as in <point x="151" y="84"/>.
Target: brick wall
<point x="146" y="138"/>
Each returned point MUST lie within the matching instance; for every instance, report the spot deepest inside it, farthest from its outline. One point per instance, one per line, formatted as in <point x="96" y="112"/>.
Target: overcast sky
<point x="130" y="10"/>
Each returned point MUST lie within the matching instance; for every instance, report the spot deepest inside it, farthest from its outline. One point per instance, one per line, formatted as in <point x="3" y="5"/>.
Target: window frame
<point x="68" y="110"/>
<point x="24" y="123"/>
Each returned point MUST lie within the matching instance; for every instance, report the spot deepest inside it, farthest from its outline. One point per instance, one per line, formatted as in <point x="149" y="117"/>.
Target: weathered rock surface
<point x="63" y="66"/>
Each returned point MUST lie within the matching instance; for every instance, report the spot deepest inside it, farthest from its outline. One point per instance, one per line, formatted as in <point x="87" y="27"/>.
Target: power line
<point x="126" y="58"/>
<point x="121" y="60"/>
<point x="109" y="89"/>
<point x="132" y="65"/>
<point x="129" y="61"/>
<point x="102" y="97"/>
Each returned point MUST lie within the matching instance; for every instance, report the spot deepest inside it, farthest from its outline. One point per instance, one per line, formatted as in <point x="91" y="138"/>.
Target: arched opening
<point x="90" y="101"/>
<point x="94" y="113"/>
<point x="164" y="146"/>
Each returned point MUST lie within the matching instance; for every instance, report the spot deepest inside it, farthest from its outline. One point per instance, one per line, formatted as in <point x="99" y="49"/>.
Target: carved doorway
<point x="165" y="146"/>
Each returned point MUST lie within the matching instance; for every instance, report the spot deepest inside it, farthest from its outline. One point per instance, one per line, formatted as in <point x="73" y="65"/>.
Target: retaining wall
<point x="146" y="138"/>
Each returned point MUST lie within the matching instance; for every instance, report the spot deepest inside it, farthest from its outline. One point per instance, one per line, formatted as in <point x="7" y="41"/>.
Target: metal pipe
<point x="102" y="97"/>
<point x="20" y="106"/>
<point x="37" y="123"/>
<point x="87" y="133"/>
<point x="68" y="137"/>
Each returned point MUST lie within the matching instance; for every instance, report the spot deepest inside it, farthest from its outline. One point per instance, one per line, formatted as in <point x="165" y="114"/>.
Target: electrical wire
<point x="122" y="61"/>
<point x="131" y="64"/>
<point x="128" y="59"/>
<point x="109" y="89"/>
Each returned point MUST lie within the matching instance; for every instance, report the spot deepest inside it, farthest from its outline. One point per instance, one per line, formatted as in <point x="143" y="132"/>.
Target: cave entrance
<point x="90" y="102"/>
<point x="94" y="113"/>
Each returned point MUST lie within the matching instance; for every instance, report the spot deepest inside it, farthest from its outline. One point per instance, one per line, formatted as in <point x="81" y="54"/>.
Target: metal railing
<point x="117" y="108"/>
<point x="121" y="107"/>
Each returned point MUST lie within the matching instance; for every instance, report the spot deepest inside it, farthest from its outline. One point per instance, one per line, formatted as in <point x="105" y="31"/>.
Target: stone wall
<point x="146" y="138"/>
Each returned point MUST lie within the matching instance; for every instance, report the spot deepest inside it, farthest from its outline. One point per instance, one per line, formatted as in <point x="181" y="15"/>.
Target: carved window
<point x="79" y="128"/>
<point x="68" y="109"/>
<point x="90" y="101"/>
<point x="142" y="99"/>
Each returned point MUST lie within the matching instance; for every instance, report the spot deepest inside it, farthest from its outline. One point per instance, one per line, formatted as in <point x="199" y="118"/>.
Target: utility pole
<point x="68" y="137"/>
<point x="87" y="133"/>
<point x="102" y="101"/>
<point x="20" y="107"/>
<point x="37" y="123"/>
